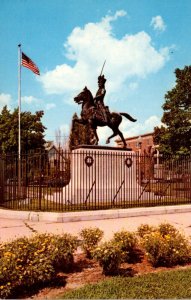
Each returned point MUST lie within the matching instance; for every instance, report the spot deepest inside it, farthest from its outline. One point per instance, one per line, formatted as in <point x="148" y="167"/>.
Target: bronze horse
<point x="91" y="115"/>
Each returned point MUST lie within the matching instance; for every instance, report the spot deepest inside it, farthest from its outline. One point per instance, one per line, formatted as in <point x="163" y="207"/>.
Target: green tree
<point x="79" y="134"/>
<point x="175" y="136"/>
<point x="32" y="131"/>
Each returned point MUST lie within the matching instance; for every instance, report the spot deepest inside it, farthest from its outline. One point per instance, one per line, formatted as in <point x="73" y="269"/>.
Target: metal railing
<point x="72" y="181"/>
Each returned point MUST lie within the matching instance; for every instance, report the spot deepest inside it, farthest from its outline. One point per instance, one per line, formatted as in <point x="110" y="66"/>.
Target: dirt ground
<point x="88" y="271"/>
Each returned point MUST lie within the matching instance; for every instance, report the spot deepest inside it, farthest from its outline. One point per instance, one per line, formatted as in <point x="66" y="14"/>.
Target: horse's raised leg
<point x="110" y="137"/>
<point x="117" y="132"/>
<point x="94" y="139"/>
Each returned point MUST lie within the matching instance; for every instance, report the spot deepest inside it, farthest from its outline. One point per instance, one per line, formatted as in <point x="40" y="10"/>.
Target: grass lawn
<point x="167" y="284"/>
<point x="42" y="204"/>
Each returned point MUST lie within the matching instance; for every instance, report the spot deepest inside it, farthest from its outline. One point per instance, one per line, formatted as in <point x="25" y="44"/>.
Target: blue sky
<point x="143" y="42"/>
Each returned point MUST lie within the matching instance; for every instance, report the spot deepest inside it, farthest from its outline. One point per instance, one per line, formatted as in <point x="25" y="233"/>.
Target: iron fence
<point x="90" y="179"/>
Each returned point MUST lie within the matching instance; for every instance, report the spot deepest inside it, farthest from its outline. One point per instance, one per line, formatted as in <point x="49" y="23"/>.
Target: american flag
<point x="28" y="63"/>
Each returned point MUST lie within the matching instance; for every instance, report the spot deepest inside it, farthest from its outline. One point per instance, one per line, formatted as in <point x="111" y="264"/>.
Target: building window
<point x="55" y="163"/>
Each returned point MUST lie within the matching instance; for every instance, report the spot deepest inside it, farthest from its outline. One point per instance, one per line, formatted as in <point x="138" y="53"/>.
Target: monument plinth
<point x="102" y="175"/>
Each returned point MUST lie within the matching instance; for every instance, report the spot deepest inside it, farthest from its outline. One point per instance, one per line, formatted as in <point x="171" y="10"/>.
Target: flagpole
<point x="19" y="120"/>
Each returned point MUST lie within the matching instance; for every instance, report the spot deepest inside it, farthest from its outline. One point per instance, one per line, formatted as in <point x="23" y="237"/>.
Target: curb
<point x="92" y="215"/>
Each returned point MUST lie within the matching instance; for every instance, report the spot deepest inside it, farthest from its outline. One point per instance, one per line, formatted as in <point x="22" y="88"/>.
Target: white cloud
<point x="106" y="21"/>
<point x="158" y="23"/>
<point x="103" y="134"/>
<point x="50" y="106"/>
<point x="133" y="55"/>
<point x="32" y="102"/>
<point x="133" y="86"/>
<point x="29" y="100"/>
<point x="5" y="99"/>
<point x="132" y="129"/>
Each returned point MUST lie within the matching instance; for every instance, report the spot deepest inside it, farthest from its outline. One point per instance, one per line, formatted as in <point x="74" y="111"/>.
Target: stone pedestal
<point x="102" y="175"/>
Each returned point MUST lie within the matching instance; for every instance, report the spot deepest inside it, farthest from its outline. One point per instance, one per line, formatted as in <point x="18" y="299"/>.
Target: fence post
<point x="40" y="182"/>
<point x="2" y="183"/>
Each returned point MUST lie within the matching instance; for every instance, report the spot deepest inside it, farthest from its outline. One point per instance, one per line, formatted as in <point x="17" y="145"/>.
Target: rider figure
<point x="99" y="97"/>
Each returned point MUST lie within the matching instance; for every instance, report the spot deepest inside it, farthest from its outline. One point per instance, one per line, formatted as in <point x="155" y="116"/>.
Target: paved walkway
<point x="11" y="228"/>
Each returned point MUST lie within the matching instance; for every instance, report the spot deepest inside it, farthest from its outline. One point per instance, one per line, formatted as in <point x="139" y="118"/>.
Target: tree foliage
<point x="32" y="131"/>
<point x="175" y="136"/>
<point x="79" y="135"/>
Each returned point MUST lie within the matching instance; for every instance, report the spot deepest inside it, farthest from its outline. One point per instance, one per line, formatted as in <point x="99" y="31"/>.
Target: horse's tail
<point x="128" y="117"/>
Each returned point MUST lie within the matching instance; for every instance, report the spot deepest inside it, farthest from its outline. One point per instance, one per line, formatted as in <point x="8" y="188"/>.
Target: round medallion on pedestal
<point x="89" y="160"/>
<point x="128" y="162"/>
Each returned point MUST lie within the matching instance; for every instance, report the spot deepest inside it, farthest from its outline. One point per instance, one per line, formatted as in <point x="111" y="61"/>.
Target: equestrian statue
<point x="96" y="114"/>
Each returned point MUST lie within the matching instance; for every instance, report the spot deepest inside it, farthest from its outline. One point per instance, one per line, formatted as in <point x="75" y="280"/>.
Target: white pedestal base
<point x="102" y="175"/>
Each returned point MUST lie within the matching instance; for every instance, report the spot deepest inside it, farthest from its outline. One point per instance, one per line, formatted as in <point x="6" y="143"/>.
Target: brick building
<point x="147" y="154"/>
<point x="140" y="143"/>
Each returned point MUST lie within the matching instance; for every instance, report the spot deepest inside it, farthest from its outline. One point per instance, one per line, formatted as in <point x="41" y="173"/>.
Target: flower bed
<point x="30" y="262"/>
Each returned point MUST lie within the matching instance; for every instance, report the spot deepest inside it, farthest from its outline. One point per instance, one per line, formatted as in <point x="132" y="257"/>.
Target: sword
<point x="102" y="68"/>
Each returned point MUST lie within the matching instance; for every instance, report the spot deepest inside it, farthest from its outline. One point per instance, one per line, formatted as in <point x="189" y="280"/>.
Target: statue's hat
<point x="101" y="78"/>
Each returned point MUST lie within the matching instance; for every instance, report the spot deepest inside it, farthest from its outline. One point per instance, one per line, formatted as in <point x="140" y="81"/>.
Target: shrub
<point x="127" y="242"/>
<point x="166" y="228"/>
<point x="145" y="229"/>
<point x="109" y="257"/>
<point x="33" y="261"/>
<point x="166" y="250"/>
<point x="90" y="239"/>
<point x="63" y="258"/>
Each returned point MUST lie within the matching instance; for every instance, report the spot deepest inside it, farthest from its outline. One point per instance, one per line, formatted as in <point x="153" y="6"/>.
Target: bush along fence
<point x="88" y="180"/>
